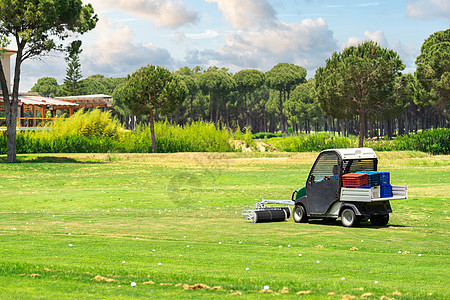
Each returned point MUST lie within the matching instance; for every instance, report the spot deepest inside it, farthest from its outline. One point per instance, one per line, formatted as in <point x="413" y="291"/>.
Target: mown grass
<point x="115" y="209"/>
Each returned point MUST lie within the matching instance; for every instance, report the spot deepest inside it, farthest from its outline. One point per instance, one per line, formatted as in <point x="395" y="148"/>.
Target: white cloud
<point x="307" y="44"/>
<point x="115" y="54"/>
<point x="167" y="13"/>
<point x="428" y="9"/>
<point x="368" y="4"/>
<point x="52" y="65"/>
<point x="352" y="41"/>
<point x="245" y="13"/>
<point x="377" y="36"/>
<point x="203" y="35"/>
<point x="407" y="53"/>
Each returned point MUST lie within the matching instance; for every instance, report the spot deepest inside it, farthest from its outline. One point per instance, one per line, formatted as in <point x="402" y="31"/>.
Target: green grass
<point x="119" y="207"/>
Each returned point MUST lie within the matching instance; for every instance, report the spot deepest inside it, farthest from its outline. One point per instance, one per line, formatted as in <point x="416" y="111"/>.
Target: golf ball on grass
<point x="133" y="284"/>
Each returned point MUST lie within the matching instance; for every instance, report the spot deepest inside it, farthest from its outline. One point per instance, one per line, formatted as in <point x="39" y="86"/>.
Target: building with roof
<point x="90" y="101"/>
<point x="36" y="110"/>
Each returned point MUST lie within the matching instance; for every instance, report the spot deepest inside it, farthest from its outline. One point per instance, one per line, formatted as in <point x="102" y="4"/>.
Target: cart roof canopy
<point x="354" y="153"/>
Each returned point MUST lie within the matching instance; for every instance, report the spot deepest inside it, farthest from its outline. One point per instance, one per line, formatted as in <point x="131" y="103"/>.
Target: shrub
<point x="434" y="141"/>
<point x="94" y="123"/>
<point x="2" y="143"/>
<point x="197" y="137"/>
<point x="268" y="135"/>
<point x="248" y="140"/>
<point x="307" y="143"/>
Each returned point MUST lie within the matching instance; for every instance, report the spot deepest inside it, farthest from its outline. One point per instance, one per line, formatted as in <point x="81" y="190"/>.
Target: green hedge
<point x="434" y="141"/>
<point x="266" y="135"/>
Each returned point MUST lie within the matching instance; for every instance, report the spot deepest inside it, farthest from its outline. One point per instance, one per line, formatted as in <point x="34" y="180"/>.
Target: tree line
<point x="361" y="89"/>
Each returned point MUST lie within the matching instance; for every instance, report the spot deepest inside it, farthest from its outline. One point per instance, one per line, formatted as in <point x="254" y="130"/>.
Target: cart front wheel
<point x="299" y="214"/>
<point x="349" y="218"/>
<point x="379" y="220"/>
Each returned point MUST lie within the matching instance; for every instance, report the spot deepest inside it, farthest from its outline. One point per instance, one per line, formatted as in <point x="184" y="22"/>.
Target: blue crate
<point x="385" y="191"/>
<point x="385" y="177"/>
<point x="373" y="177"/>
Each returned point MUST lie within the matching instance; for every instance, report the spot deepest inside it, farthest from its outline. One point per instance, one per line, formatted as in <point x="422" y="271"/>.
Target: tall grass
<point x="307" y="143"/>
<point x="91" y="124"/>
<point x="198" y="137"/>
<point x="84" y="132"/>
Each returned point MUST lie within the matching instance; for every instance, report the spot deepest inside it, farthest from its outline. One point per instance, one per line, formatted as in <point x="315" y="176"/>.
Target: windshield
<point x="356" y="165"/>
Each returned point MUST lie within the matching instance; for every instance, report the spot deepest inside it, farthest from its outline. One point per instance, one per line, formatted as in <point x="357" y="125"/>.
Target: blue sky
<point x="242" y="34"/>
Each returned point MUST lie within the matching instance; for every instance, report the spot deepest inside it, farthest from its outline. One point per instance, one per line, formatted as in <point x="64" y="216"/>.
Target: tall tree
<point x="217" y="83"/>
<point x="151" y="88"/>
<point x="284" y="78"/>
<point x="303" y="105"/>
<point x="47" y="87"/>
<point x="72" y="84"/>
<point x="190" y="78"/>
<point x="433" y="71"/>
<point x="36" y="25"/>
<point x="247" y="82"/>
<point x="359" y="81"/>
<point x="99" y="84"/>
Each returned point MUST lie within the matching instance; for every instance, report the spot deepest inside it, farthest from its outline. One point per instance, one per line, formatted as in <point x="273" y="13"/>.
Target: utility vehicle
<point x="325" y="197"/>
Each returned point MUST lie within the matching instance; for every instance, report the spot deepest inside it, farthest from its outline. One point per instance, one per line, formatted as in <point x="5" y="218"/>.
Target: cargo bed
<point x="371" y="195"/>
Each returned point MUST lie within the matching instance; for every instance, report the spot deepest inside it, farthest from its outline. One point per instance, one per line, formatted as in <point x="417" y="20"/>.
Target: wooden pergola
<point x="35" y="103"/>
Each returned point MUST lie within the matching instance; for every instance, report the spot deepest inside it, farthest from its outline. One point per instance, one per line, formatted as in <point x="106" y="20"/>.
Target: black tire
<point x="287" y="210"/>
<point x="349" y="218"/>
<point x="299" y="214"/>
<point x="379" y="220"/>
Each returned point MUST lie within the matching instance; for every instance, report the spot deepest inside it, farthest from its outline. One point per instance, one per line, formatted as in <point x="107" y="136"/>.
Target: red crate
<point x="355" y="180"/>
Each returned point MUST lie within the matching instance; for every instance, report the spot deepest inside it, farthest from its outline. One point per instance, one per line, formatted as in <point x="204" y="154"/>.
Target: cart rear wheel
<point x="299" y="214"/>
<point x="349" y="218"/>
<point x="379" y="220"/>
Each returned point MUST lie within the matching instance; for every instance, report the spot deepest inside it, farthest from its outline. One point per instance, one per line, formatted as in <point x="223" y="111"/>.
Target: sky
<point x="241" y="34"/>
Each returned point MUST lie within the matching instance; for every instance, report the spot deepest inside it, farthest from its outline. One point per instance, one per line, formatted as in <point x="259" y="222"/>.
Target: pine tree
<point x="72" y="84"/>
